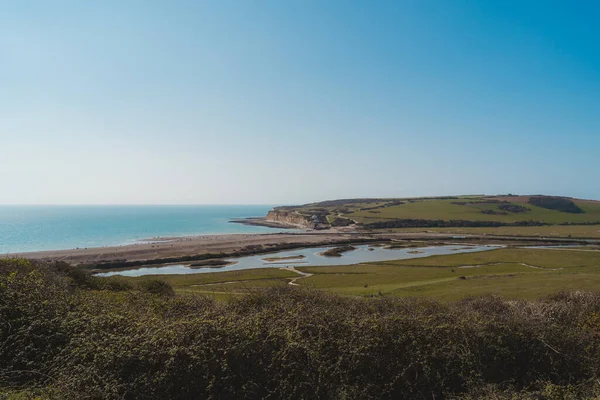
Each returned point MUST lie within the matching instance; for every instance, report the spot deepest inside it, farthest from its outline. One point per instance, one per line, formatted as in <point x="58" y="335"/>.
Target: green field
<point x="508" y="272"/>
<point x="447" y="210"/>
<point x="224" y="285"/>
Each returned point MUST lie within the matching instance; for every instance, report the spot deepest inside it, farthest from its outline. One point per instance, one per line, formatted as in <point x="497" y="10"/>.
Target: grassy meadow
<point x="512" y="273"/>
<point x="448" y="210"/>
<point x="222" y="285"/>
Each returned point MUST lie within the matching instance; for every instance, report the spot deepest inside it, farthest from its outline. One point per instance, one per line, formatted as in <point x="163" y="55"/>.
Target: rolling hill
<point x="448" y="211"/>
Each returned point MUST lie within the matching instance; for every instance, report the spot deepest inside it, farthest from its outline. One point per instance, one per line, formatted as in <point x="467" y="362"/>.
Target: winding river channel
<point x="307" y="257"/>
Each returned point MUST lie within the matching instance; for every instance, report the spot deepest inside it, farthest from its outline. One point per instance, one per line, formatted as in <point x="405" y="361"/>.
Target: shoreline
<point x="130" y="243"/>
<point x="188" y="249"/>
<point x="163" y="247"/>
<point x="262" y="221"/>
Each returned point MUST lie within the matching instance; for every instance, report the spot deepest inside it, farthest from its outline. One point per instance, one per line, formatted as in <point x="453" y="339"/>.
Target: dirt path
<point x="544" y="268"/>
<point x="293" y="280"/>
<point x="500" y="263"/>
<point x="573" y="249"/>
<point x="221" y="283"/>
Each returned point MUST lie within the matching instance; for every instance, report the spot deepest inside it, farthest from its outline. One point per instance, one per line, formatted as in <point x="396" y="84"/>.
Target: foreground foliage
<point x="65" y="334"/>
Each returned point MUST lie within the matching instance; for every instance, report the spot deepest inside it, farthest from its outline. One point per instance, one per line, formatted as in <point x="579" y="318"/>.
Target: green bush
<point x="156" y="286"/>
<point x="62" y="340"/>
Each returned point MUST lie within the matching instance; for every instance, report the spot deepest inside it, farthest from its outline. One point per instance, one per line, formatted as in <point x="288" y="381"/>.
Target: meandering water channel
<point x="307" y="257"/>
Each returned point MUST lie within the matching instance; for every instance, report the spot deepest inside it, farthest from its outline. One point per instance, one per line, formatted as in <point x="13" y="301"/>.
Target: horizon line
<point x="287" y="204"/>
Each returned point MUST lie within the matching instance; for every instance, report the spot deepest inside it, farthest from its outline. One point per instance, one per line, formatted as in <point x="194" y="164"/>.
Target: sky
<point x="286" y="102"/>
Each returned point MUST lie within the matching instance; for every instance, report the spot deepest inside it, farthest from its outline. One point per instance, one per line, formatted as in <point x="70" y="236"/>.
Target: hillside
<point x="447" y="211"/>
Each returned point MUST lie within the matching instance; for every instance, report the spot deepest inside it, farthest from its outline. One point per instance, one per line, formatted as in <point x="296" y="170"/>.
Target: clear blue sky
<point x="294" y="101"/>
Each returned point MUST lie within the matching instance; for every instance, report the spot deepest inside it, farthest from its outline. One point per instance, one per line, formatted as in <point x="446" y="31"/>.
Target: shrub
<point x="515" y="208"/>
<point x="60" y="340"/>
<point x="337" y="221"/>
<point x="156" y="286"/>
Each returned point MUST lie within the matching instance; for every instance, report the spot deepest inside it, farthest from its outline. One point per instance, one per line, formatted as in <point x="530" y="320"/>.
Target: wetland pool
<point x="312" y="257"/>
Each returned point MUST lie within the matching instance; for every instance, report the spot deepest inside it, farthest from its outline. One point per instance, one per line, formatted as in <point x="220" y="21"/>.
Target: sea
<point x="35" y="228"/>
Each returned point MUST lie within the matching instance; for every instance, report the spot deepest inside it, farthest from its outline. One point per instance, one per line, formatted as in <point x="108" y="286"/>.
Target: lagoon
<point x="312" y="257"/>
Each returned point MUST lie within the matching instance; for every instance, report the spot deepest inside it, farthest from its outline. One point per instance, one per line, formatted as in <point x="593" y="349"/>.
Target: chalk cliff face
<point x="289" y="218"/>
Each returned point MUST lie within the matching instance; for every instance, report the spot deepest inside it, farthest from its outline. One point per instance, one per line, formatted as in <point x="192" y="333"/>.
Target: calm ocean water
<point x="33" y="228"/>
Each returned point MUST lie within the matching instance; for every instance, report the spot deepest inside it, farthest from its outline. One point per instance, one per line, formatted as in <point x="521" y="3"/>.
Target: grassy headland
<point x="450" y="211"/>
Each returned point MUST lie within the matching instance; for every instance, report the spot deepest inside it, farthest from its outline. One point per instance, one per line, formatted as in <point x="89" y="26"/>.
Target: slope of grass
<point x="521" y="286"/>
<point x="181" y="281"/>
<point x="546" y="258"/>
<point x="511" y="272"/>
<point x="228" y="290"/>
<point x="447" y="210"/>
<point x="224" y="285"/>
<point x="367" y="279"/>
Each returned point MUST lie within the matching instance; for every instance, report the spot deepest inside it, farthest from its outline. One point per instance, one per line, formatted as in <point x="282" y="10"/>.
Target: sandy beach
<point x="153" y="248"/>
